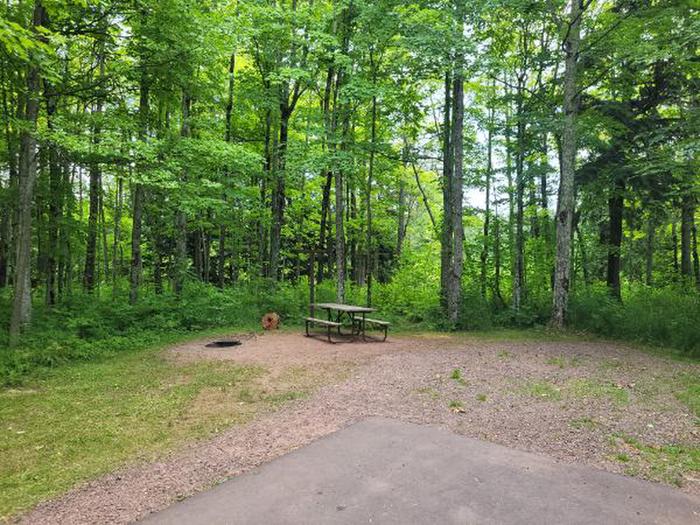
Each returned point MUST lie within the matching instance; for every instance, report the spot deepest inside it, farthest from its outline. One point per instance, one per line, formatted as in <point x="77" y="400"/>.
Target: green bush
<point x="660" y="316"/>
<point x="90" y="327"/>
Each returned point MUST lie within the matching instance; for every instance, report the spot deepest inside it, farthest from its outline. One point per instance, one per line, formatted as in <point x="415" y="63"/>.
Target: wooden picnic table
<point x="348" y="310"/>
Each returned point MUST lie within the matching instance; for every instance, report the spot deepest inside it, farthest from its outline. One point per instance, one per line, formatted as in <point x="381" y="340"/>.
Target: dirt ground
<point x="594" y="403"/>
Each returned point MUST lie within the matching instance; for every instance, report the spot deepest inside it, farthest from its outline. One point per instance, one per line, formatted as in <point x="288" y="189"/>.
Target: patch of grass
<point x="456" y="406"/>
<point x="584" y="423"/>
<point x="610" y="364"/>
<point x="589" y="388"/>
<point x="564" y="361"/>
<point x="668" y="463"/>
<point x="543" y="390"/>
<point x="689" y="391"/>
<point x="504" y="354"/>
<point x="481" y="397"/>
<point x="622" y="457"/>
<point x="86" y="419"/>
<point x="428" y="391"/>
<point x="456" y="376"/>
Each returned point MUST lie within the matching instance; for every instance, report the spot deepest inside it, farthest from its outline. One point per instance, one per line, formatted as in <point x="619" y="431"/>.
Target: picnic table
<point x="337" y="311"/>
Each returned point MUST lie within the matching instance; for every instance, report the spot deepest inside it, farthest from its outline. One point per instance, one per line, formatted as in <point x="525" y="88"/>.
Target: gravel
<point x="410" y="378"/>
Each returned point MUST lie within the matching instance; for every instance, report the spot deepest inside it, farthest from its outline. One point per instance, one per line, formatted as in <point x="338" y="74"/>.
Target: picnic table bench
<point x="327" y="324"/>
<point x="356" y="314"/>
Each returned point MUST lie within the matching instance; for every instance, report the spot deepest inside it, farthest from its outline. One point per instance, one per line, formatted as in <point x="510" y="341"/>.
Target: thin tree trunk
<point x="566" y="203"/>
<point x="221" y="261"/>
<point x="139" y="197"/>
<point x="497" y="259"/>
<point x="180" y="266"/>
<point x="368" y="196"/>
<point x="687" y="221"/>
<point x="339" y="237"/>
<point x="90" y="275"/>
<point x="424" y="197"/>
<point x="674" y="242"/>
<point x="696" y="258"/>
<point x="651" y="234"/>
<point x="55" y="200"/>
<point x="116" y="263"/>
<point x="279" y="193"/>
<point x="447" y="167"/>
<point x="615" y="209"/>
<point x="401" y="225"/>
<point x="487" y="210"/>
<point x="519" y="263"/>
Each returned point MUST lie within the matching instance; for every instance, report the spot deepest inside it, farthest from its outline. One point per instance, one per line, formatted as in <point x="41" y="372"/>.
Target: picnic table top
<point x="344" y="307"/>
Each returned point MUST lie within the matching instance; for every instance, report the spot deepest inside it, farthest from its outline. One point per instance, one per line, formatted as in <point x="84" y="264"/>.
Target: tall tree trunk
<point x="447" y="168"/>
<point x="487" y="210"/>
<point x="519" y="263"/>
<point x="22" y="300"/>
<point x="511" y="196"/>
<point x="221" y="260"/>
<point x="687" y="222"/>
<point x="116" y="243"/>
<point x="674" y="242"/>
<point x="651" y="234"/>
<point x="180" y="266"/>
<point x="566" y="203"/>
<point x="339" y="237"/>
<point x="497" y="259"/>
<point x="368" y="196"/>
<point x="616" y="205"/>
<point x="90" y="275"/>
<point x="7" y="211"/>
<point x="55" y="200"/>
<point x="401" y="225"/>
<point x="454" y="297"/>
<point x="696" y="257"/>
<point x="139" y="197"/>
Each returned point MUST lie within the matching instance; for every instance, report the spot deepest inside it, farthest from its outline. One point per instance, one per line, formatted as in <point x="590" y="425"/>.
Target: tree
<point x="566" y="203"/>
<point x="22" y="302"/>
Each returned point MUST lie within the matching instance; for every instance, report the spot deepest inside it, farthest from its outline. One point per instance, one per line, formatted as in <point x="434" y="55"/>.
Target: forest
<point x="178" y="165"/>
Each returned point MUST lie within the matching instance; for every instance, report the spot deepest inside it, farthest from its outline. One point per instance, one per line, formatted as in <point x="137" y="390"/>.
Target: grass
<point x="543" y="390"/>
<point x="576" y="389"/>
<point x="586" y="423"/>
<point x="481" y="397"/>
<point x="689" y="392"/>
<point x="668" y="463"/>
<point x="86" y="419"/>
<point x="592" y="388"/>
<point x="563" y="361"/>
<point x="428" y="391"/>
<point x="456" y="376"/>
<point x="456" y="406"/>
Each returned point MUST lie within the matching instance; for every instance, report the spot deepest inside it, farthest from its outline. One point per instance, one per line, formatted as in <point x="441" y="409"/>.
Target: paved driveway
<point x="385" y="471"/>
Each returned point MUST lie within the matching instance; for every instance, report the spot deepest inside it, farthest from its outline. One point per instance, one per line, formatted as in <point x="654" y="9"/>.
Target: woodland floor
<point x="607" y="405"/>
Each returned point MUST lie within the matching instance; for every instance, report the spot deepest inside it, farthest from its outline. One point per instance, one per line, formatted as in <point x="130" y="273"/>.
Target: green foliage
<point x="658" y="316"/>
<point x="70" y="332"/>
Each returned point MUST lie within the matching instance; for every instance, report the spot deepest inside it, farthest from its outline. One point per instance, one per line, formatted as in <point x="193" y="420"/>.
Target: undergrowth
<point x="84" y="328"/>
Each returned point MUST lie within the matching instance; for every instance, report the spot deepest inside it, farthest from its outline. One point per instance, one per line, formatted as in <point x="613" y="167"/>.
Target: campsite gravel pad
<point x="571" y="401"/>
